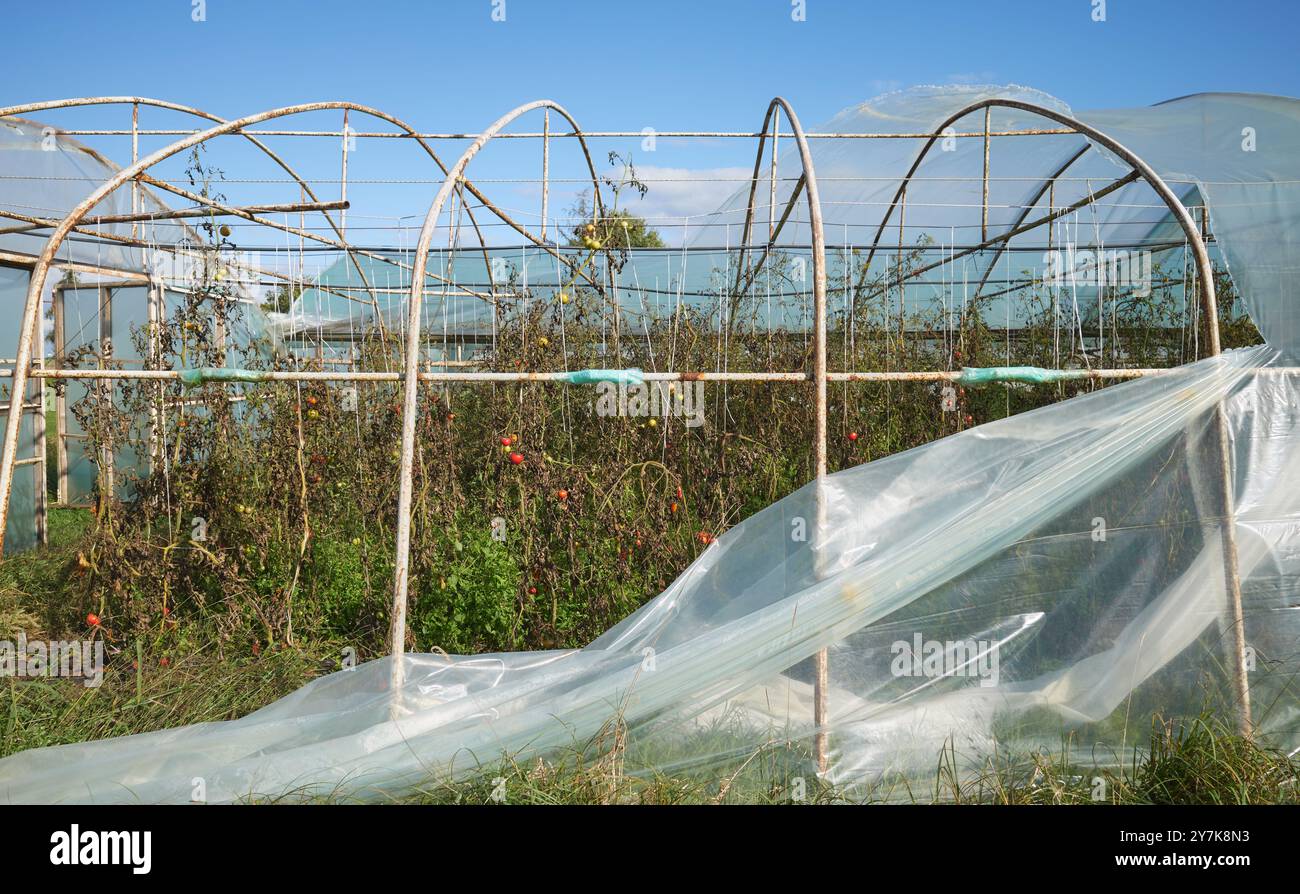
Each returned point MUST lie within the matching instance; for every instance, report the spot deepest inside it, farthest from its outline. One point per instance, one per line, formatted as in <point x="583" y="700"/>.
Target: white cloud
<point x="674" y="196"/>
<point x="677" y="193"/>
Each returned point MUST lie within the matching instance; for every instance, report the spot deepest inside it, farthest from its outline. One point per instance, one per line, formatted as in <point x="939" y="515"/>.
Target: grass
<point x="26" y="577"/>
<point x="160" y="681"/>
<point x="1199" y="761"/>
<point x="143" y="696"/>
<point x="149" y="685"/>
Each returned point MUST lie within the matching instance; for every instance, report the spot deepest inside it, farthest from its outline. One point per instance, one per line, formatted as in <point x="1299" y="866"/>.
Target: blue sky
<point x="668" y="64"/>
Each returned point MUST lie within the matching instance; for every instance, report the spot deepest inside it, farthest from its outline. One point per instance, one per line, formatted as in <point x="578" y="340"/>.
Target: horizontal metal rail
<point x="602" y="134"/>
<point x="562" y="377"/>
<point x="177" y="214"/>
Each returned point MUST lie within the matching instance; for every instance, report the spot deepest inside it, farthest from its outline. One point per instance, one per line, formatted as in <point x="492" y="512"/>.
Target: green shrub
<point x="468" y="601"/>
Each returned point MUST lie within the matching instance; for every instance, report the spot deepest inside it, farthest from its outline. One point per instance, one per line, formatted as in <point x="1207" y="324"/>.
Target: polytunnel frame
<point x="411" y="388"/>
<point x="39" y="271"/>
<point x="136" y="101"/>
<point x="412" y="376"/>
<point x="248" y="213"/>
<point x="406" y="129"/>
<point x="1140" y="167"/>
<point x="401" y="567"/>
<point x="1206" y="275"/>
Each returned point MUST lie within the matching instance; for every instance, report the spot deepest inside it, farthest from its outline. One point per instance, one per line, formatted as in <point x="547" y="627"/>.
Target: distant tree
<point x="281" y="298"/>
<point x="616" y="229"/>
<point x="613" y="228"/>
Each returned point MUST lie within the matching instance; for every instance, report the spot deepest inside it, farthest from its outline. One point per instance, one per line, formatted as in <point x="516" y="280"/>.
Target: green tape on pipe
<point x="1034" y="375"/>
<point x="192" y="378"/>
<point x="618" y="376"/>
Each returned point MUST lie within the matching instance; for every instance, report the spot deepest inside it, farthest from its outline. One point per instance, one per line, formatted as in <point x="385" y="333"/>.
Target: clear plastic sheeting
<point x="1237" y="154"/>
<point x="1048" y="581"/>
<point x="46" y="174"/>
<point x="342" y="305"/>
<point x="1068" y="562"/>
<point x="21" y="530"/>
<point x="857" y="179"/>
<point x="1243" y="153"/>
<point x="24" y="502"/>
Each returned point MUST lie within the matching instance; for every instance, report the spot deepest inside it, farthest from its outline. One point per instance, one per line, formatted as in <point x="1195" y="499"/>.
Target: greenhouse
<point x="1097" y="518"/>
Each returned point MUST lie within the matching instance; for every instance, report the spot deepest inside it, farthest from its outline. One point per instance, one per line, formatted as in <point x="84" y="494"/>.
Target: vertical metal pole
<point x="771" y="201"/>
<point x="42" y="487"/>
<point x="821" y="666"/>
<point x="1228" y="529"/>
<point x="902" y="216"/>
<point x="343" y="188"/>
<point x="984" y="202"/>
<point x="135" y="156"/>
<point x="135" y="209"/>
<point x="1051" y="224"/>
<point x="821" y="662"/>
<point x="106" y="387"/>
<point x="154" y="361"/>
<point x="546" y="171"/>
<point x="1232" y="575"/>
<point x="60" y="402"/>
